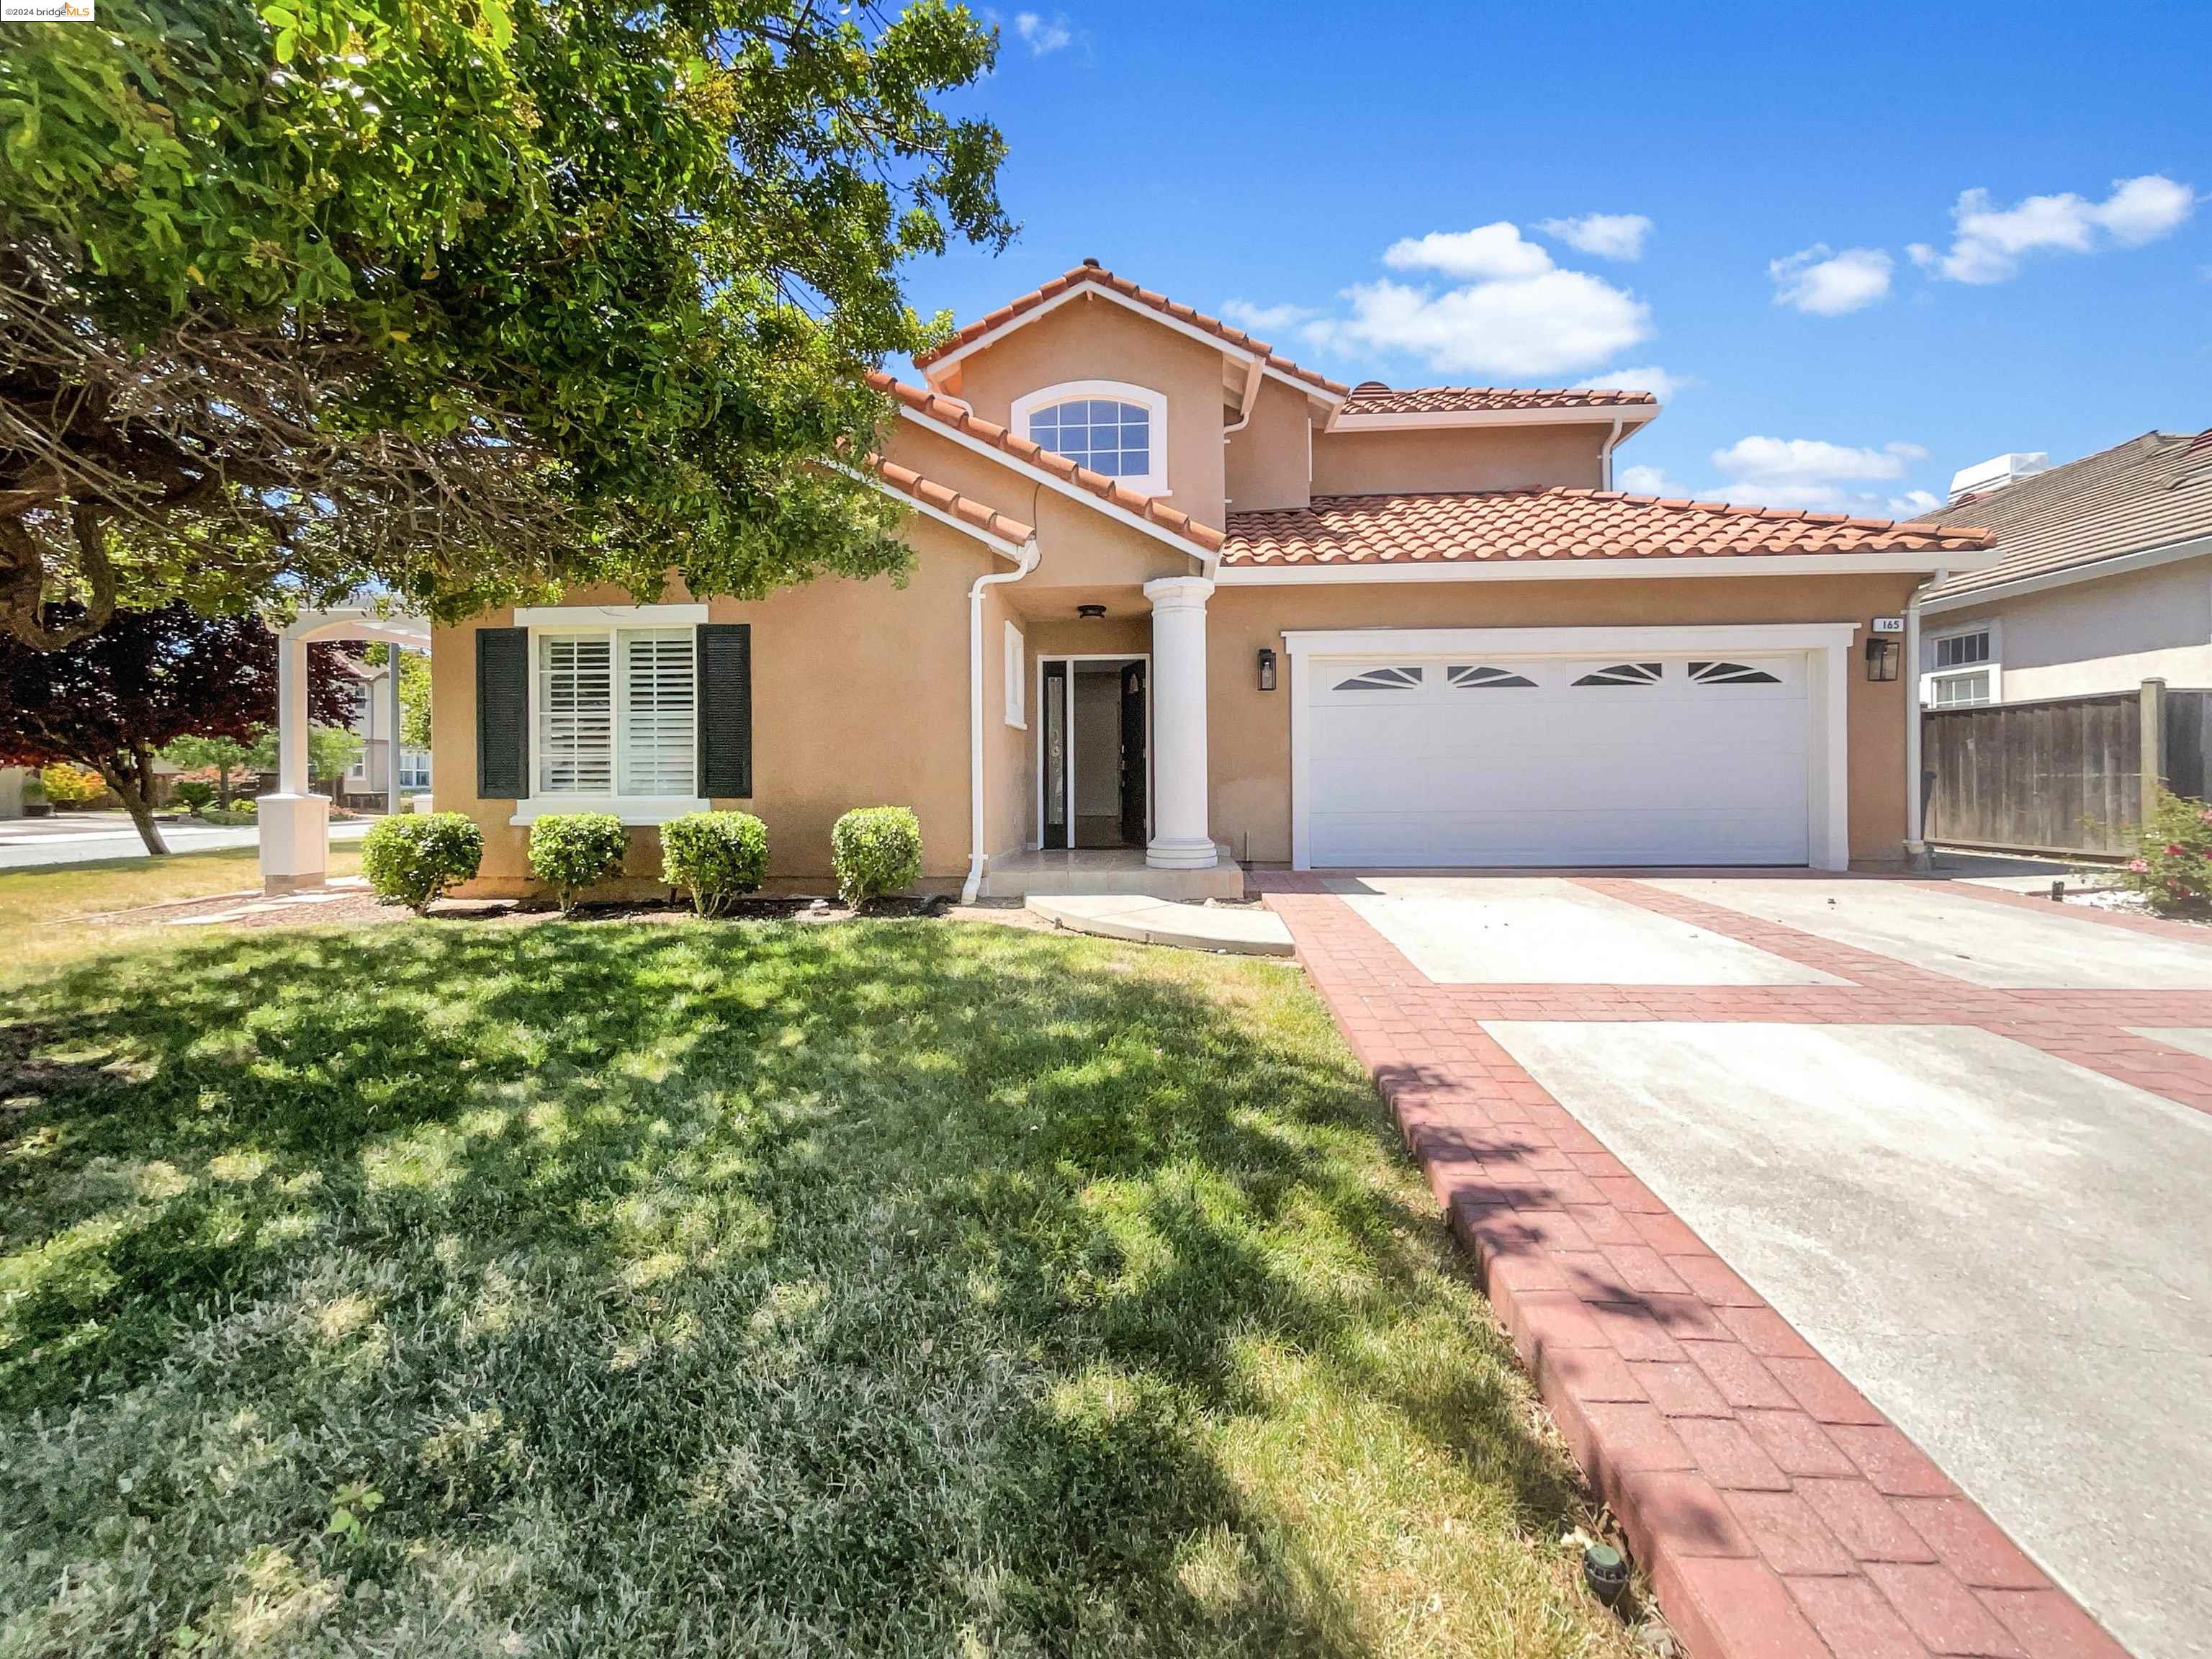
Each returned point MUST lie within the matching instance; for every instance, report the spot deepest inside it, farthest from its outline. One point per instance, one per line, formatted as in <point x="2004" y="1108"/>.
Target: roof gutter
<point x="978" y="853"/>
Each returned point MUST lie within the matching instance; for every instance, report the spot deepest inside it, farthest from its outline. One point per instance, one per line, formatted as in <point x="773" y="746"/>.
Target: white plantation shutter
<point x="659" y="705"/>
<point x="575" y="717"/>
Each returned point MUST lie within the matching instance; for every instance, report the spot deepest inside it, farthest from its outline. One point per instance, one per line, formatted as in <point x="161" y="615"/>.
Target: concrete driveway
<point x="1960" y="1140"/>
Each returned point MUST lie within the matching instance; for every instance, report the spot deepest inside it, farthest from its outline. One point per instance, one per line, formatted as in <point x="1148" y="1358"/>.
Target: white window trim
<point x="1013" y="659"/>
<point x="1825" y="647"/>
<point x="607" y="619"/>
<point x="1930" y="674"/>
<point x="1154" y="483"/>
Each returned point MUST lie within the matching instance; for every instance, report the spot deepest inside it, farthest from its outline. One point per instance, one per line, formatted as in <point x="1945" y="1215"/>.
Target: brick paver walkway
<point x="1778" y="1513"/>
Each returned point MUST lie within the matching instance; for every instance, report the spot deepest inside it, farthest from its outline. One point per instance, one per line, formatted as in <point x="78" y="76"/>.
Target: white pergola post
<point x="295" y="824"/>
<point x="392" y="731"/>
<point x="1181" y="838"/>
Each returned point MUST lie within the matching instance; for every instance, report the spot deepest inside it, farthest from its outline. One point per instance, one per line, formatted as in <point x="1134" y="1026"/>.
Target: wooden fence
<point x="2061" y="775"/>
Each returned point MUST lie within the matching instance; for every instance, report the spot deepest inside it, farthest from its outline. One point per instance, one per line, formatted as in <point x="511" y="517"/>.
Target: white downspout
<point x="1605" y="456"/>
<point x="1915" y="846"/>
<point x="977" y="852"/>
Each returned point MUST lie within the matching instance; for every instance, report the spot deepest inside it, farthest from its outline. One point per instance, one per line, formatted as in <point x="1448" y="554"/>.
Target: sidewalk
<point x="84" y="837"/>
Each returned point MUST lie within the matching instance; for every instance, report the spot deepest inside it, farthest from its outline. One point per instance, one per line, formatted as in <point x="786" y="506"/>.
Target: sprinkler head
<point x="1605" y="1570"/>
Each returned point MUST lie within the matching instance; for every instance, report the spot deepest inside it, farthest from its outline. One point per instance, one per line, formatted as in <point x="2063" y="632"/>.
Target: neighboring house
<point x="11" y="790"/>
<point x="2104" y="578"/>
<point x="1174" y="594"/>
<point x="369" y="778"/>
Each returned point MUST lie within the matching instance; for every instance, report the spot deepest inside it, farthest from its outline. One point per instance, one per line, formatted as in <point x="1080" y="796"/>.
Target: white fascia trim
<point x="610" y="616"/>
<point x="630" y="808"/>
<point x="1050" y="481"/>
<point x="1599" y="570"/>
<point x="1739" y="638"/>
<point x="1154" y="404"/>
<point x="999" y="544"/>
<point x="937" y="367"/>
<point x="2120" y="565"/>
<point x="1629" y="415"/>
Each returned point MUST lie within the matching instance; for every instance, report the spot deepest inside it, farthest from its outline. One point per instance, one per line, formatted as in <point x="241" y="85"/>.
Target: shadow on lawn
<point x="857" y="1287"/>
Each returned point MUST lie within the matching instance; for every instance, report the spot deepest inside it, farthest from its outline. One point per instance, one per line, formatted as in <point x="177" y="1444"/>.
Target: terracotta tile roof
<point x="1099" y="277"/>
<point x="2149" y="492"/>
<point x="1544" y="525"/>
<point x="945" y="499"/>
<point x="1373" y="397"/>
<point x="951" y="412"/>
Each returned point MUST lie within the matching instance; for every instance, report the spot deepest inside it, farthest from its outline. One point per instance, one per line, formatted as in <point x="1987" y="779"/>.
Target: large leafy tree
<point x="112" y="699"/>
<point x="463" y="297"/>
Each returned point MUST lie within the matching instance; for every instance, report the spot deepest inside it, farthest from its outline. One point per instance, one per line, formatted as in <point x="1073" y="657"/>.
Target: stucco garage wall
<point x="859" y="699"/>
<point x="1248" y="740"/>
<point x="2105" y="636"/>
<point x="1457" y="458"/>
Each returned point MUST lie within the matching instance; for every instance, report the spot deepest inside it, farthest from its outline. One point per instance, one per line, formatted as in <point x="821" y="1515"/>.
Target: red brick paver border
<point x="1778" y="1513"/>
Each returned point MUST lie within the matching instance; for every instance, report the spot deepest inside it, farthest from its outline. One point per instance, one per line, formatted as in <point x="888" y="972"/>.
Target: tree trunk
<point x="131" y="777"/>
<point x="222" y="786"/>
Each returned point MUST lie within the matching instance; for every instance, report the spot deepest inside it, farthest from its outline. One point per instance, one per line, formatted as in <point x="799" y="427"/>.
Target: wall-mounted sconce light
<point x="1881" y="655"/>
<point x="1267" y="669"/>
<point x="1091" y="612"/>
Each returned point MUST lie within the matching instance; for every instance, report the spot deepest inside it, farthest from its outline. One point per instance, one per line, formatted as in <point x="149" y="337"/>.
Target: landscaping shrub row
<point x="713" y="858"/>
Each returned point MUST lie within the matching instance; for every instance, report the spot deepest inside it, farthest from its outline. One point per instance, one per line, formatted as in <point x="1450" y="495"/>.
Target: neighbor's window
<point x="1959" y="690"/>
<point x="1114" y="428"/>
<point x="1957" y="650"/>
<point x="616" y="713"/>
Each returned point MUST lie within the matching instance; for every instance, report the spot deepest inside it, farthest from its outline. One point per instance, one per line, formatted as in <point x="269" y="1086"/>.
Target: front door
<point x="1133" y="758"/>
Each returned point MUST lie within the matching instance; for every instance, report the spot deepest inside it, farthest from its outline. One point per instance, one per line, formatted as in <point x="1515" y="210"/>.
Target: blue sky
<point x="1838" y="321"/>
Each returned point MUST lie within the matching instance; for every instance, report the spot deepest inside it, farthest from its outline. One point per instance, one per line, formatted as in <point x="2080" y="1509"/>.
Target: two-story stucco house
<point x="1178" y="603"/>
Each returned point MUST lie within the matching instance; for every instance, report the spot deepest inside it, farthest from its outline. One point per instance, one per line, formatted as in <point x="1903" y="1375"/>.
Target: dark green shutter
<point x="726" y="710"/>
<point x="503" y="713"/>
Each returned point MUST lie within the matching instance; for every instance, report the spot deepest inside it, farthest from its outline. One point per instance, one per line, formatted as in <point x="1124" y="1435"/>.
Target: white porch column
<point x="1180" y="837"/>
<point x="391" y="730"/>
<point x="295" y="826"/>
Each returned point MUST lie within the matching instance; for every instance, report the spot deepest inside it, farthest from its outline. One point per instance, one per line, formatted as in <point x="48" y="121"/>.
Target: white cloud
<point x="1913" y="502"/>
<point x="1808" y="472"/>
<point x="1267" y="320"/>
<point x="1827" y="283"/>
<point x="1043" y="35"/>
<point x="1496" y="251"/>
<point x="1990" y="241"/>
<point x="1607" y="235"/>
<point x="1647" y="480"/>
<point x="1547" y="325"/>
<point x="1648" y="377"/>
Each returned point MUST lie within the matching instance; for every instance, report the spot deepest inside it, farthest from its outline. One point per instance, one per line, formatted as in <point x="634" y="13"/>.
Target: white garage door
<point x="1510" y="761"/>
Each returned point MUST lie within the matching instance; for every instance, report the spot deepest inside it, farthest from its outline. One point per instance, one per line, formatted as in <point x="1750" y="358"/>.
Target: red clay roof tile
<point x="1100" y="276"/>
<point x="951" y="412"/>
<point x="1545" y="525"/>
<point x="1373" y="397"/>
<point x="945" y="499"/>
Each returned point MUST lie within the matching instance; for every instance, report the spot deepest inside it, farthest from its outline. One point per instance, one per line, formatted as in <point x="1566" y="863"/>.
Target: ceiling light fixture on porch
<point x="1091" y="612"/>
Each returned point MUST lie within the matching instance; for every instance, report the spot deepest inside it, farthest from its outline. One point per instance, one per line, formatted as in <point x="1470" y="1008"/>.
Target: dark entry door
<point x="1133" y="767"/>
<point x="1056" y="821"/>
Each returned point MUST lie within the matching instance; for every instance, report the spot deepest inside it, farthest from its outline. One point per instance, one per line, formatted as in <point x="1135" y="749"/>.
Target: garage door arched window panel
<point x="1730" y="673"/>
<point x="1113" y="428"/>
<point x="1469" y="677"/>
<point x="1624" y="673"/>
<point x="1382" y="679"/>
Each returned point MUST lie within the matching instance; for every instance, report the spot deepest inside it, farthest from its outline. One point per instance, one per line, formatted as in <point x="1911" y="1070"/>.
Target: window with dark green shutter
<point x="726" y="710"/>
<point x="503" y="713"/>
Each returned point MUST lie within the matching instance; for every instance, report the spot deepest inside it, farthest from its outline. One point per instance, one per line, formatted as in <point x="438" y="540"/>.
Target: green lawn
<point x="58" y="892"/>
<point x="660" y="1289"/>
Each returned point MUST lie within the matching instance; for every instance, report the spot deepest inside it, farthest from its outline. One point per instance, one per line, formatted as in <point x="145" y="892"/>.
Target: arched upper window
<point x="1111" y="427"/>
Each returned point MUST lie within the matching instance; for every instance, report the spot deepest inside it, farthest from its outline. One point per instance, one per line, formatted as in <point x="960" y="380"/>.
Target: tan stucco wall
<point x="1092" y="338"/>
<point x="2095" y="637"/>
<point x="1268" y="459"/>
<point x="1457" y="458"/>
<point x="859" y="699"/>
<point x="1248" y="732"/>
<point x="1008" y="772"/>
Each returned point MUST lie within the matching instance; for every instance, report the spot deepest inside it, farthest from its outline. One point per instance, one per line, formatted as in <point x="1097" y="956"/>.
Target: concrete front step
<point x="1156" y="921"/>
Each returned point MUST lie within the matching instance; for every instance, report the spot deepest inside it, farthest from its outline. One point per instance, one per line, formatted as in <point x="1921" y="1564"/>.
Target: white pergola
<point x="294" y="824"/>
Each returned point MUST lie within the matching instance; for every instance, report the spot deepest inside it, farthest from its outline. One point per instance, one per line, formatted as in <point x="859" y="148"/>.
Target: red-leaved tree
<point x="113" y="698"/>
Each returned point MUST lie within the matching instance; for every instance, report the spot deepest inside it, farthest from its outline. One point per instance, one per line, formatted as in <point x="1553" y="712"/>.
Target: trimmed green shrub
<point x="714" y="856"/>
<point x="571" y="851"/>
<point x="2172" y="867"/>
<point x="875" y="850"/>
<point x="413" y="861"/>
<point x="193" y="795"/>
